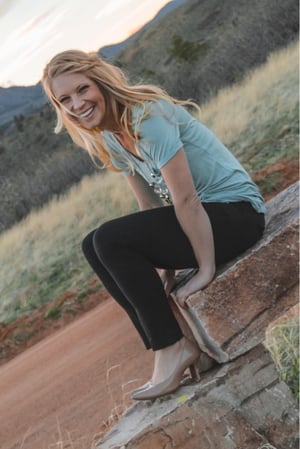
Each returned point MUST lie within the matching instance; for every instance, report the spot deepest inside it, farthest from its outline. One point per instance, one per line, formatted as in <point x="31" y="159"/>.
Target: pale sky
<point x="32" y="31"/>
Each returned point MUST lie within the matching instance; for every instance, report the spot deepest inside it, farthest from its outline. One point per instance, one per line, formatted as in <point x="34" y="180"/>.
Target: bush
<point x="282" y="340"/>
<point x="186" y="51"/>
<point x="54" y="313"/>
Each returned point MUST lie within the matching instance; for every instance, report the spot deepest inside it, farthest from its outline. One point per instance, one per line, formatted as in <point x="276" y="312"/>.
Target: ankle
<point x="171" y="348"/>
<point x="166" y="359"/>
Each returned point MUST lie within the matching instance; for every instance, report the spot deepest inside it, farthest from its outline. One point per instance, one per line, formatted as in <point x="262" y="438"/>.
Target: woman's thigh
<point x="236" y="227"/>
<point x="157" y="234"/>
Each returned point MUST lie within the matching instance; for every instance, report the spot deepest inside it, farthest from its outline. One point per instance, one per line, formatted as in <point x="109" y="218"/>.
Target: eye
<point x="64" y="100"/>
<point x="83" y="88"/>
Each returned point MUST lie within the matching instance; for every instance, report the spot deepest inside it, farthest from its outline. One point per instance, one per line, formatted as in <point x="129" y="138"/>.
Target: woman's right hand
<point x="168" y="280"/>
<point x="199" y="281"/>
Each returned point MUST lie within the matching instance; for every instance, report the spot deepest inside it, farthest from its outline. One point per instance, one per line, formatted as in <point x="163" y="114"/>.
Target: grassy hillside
<point x="207" y="44"/>
<point x="109" y="52"/>
<point x="259" y="120"/>
<point x="192" y="51"/>
<point x="41" y="258"/>
<point x="35" y="165"/>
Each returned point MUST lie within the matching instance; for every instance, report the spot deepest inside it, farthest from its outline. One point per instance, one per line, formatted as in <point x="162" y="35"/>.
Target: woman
<point x="198" y="206"/>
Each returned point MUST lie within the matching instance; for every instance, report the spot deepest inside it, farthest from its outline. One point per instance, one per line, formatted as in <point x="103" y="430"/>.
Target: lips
<point x="87" y="113"/>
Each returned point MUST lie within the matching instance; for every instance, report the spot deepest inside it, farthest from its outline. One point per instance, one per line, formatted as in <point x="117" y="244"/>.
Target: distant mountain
<point x="204" y="45"/>
<point x="24" y="100"/>
<point x="111" y="51"/>
<point x="19" y="100"/>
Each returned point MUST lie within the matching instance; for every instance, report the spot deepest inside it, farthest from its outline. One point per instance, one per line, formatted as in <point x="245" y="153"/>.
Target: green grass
<point x="53" y="313"/>
<point x="282" y="340"/>
<point x="41" y="256"/>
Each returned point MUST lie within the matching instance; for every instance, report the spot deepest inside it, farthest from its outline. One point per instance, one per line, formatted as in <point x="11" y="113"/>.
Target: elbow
<point x="188" y="202"/>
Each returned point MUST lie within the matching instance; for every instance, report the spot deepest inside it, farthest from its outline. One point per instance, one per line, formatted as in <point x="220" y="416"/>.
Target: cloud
<point x="37" y="21"/>
<point x="5" y="5"/>
<point x="24" y="43"/>
<point x="110" y="8"/>
<point x="31" y="34"/>
<point x="128" y="17"/>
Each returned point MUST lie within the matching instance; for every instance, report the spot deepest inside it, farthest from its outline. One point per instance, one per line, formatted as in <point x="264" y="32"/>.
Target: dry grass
<point x="41" y="257"/>
<point x="263" y="96"/>
<point x="120" y="402"/>
<point x="282" y="340"/>
<point x="64" y="439"/>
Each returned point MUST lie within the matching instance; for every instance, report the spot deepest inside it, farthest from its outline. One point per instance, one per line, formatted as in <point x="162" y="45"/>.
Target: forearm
<point x="196" y="225"/>
<point x="144" y="194"/>
<point x="194" y="222"/>
<point x="150" y="202"/>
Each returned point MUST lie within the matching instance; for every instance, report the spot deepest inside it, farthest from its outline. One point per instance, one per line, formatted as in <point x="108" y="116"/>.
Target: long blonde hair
<point x="118" y="94"/>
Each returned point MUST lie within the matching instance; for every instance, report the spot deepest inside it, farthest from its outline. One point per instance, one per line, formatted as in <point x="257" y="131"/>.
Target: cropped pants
<point x="126" y="251"/>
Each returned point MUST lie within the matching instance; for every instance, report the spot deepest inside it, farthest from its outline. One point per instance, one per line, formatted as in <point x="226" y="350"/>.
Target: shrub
<point x="186" y="51"/>
<point x="282" y="340"/>
<point x="53" y="313"/>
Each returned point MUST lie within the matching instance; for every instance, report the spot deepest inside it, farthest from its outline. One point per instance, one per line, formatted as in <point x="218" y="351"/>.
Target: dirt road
<point x="60" y="393"/>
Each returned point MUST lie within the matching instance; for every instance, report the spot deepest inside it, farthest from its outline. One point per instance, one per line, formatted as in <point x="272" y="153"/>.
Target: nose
<point x="77" y="103"/>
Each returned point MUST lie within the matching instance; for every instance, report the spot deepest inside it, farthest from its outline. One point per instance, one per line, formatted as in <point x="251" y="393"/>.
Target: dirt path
<point x="60" y="393"/>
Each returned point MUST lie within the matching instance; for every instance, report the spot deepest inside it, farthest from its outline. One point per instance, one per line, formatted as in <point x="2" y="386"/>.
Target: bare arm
<point x="144" y="194"/>
<point x="193" y="220"/>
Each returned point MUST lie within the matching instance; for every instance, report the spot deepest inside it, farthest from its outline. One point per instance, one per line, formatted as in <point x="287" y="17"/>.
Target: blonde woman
<point x="198" y="206"/>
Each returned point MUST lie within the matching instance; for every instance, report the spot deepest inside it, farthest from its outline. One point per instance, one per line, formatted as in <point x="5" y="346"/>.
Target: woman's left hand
<point x="200" y="280"/>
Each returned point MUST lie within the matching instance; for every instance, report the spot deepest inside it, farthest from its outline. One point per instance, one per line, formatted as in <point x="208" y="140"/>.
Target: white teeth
<point x="86" y="113"/>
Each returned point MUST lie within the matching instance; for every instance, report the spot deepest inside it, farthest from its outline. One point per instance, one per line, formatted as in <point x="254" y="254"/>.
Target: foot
<point x="163" y="364"/>
<point x="168" y="372"/>
<point x="164" y="361"/>
<point x="142" y="387"/>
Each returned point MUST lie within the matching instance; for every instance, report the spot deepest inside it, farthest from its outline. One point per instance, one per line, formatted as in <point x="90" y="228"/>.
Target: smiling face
<point x="79" y="96"/>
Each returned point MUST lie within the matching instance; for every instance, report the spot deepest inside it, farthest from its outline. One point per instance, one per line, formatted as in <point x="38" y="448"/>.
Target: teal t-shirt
<point x="165" y="129"/>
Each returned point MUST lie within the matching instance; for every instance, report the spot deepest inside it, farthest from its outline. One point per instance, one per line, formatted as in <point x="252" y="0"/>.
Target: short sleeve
<point x="160" y="134"/>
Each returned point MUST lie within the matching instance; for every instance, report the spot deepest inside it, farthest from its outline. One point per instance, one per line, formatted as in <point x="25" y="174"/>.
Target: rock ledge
<point x="240" y="404"/>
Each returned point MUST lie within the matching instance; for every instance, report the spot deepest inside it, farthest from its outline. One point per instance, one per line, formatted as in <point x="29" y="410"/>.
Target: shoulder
<point x="153" y="109"/>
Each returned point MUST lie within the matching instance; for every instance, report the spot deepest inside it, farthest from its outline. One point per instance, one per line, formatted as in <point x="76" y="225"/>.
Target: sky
<point x="32" y="31"/>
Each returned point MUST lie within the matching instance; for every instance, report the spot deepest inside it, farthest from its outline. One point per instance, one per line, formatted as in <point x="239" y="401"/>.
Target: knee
<point x="87" y="245"/>
<point x="105" y="237"/>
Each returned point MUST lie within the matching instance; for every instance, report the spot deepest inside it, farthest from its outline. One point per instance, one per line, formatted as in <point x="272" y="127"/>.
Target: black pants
<point x="124" y="253"/>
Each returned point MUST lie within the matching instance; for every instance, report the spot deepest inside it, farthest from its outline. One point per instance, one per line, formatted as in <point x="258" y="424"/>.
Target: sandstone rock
<point x="230" y="316"/>
<point x="240" y="405"/>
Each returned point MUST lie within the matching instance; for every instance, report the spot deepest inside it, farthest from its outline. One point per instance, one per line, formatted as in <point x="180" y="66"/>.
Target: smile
<point x="86" y="113"/>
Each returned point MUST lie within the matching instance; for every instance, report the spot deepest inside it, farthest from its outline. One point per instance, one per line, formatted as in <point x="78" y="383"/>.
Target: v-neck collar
<point x="120" y="146"/>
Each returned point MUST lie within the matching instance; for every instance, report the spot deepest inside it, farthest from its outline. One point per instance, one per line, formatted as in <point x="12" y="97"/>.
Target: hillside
<point x="206" y="44"/>
<point x="18" y="101"/>
<point x="36" y="165"/>
<point x="192" y="50"/>
<point x="110" y="52"/>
